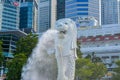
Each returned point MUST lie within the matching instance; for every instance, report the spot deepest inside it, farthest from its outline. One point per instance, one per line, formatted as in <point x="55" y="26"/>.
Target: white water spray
<point x="40" y="65"/>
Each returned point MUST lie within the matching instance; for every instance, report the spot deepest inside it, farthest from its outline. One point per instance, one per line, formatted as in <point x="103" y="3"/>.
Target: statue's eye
<point x="66" y="23"/>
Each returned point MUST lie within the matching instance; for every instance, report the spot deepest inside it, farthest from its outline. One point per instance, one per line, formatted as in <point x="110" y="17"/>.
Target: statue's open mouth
<point x="64" y="32"/>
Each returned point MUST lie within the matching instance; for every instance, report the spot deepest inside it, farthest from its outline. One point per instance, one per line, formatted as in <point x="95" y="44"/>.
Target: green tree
<point x="15" y="67"/>
<point x="1" y="54"/>
<point x="116" y="75"/>
<point x="79" y="54"/>
<point x="89" y="68"/>
<point x="24" y="48"/>
<point x="83" y="68"/>
<point x="99" y="70"/>
<point x="26" y="44"/>
<point x="93" y="58"/>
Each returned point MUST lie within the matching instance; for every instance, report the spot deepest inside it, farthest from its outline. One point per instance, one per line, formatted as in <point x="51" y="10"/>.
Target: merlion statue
<point x="54" y="56"/>
<point x="65" y="46"/>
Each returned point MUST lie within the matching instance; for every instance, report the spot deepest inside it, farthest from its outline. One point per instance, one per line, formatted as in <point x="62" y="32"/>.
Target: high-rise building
<point x="9" y="15"/>
<point x="60" y="9"/>
<point x="110" y="11"/>
<point x="104" y="42"/>
<point x="105" y="11"/>
<point x="46" y="14"/>
<point x="94" y="10"/>
<point x="26" y="16"/>
<point x="76" y="8"/>
<point x="9" y="39"/>
<point x="25" y="0"/>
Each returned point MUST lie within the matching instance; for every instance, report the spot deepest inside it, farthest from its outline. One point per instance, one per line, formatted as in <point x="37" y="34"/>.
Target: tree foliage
<point x="83" y="68"/>
<point x="116" y="75"/>
<point x="89" y="68"/>
<point x="24" y="49"/>
<point x="99" y="70"/>
<point x="14" y="67"/>
<point x="26" y="44"/>
<point x="79" y="54"/>
<point x="1" y="54"/>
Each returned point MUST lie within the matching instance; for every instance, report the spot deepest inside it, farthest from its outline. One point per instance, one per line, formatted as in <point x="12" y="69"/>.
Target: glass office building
<point x="105" y="11"/>
<point x="9" y="16"/>
<point x="26" y="16"/>
<point x="110" y="11"/>
<point x="94" y="10"/>
<point x="46" y="15"/>
<point x="76" y="8"/>
<point x="25" y="0"/>
<point x="9" y="39"/>
<point x="60" y="9"/>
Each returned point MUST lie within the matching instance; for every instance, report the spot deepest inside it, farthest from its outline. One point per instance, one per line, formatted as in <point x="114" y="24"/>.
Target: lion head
<point x="65" y="26"/>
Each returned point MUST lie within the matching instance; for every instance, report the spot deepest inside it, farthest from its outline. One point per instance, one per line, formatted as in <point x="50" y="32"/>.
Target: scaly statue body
<point x="65" y="46"/>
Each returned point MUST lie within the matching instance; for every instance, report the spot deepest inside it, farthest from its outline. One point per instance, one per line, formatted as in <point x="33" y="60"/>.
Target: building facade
<point x="103" y="41"/>
<point x="9" y="16"/>
<point x="46" y="15"/>
<point x="76" y="8"/>
<point x="24" y="1"/>
<point x="110" y="11"/>
<point x="26" y="16"/>
<point x="86" y="23"/>
<point x="94" y="10"/>
<point x="9" y="39"/>
<point x="60" y="9"/>
<point x="105" y="11"/>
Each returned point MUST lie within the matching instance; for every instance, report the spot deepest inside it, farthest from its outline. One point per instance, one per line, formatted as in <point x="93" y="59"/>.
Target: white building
<point x="105" y="11"/>
<point x="103" y="41"/>
<point x="46" y="14"/>
<point x="86" y="23"/>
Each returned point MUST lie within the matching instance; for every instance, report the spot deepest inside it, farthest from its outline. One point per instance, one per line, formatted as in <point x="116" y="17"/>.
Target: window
<point x="82" y="0"/>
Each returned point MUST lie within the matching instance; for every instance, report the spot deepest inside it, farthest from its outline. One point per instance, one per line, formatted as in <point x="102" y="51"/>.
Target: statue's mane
<point x="72" y="26"/>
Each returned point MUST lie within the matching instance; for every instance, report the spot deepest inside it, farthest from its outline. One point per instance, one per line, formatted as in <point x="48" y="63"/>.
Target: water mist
<point x="42" y="63"/>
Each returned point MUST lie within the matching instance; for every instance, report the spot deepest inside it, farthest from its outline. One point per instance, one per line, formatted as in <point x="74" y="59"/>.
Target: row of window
<point x="9" y="21"/>
<point x="73" y="1"/>
<point x="43" y="1"/>
<point x="76" y="5"/>
<point x="11" y="10"/>
<point x="4" y="16"/>
<point x="75" y="14"/>
<point x="79" y="9"/>
<point x="9" y="13"/>
<point x="101" y="44"/>
<point x="8" y="26"/>
<point x="9" y="6"/>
